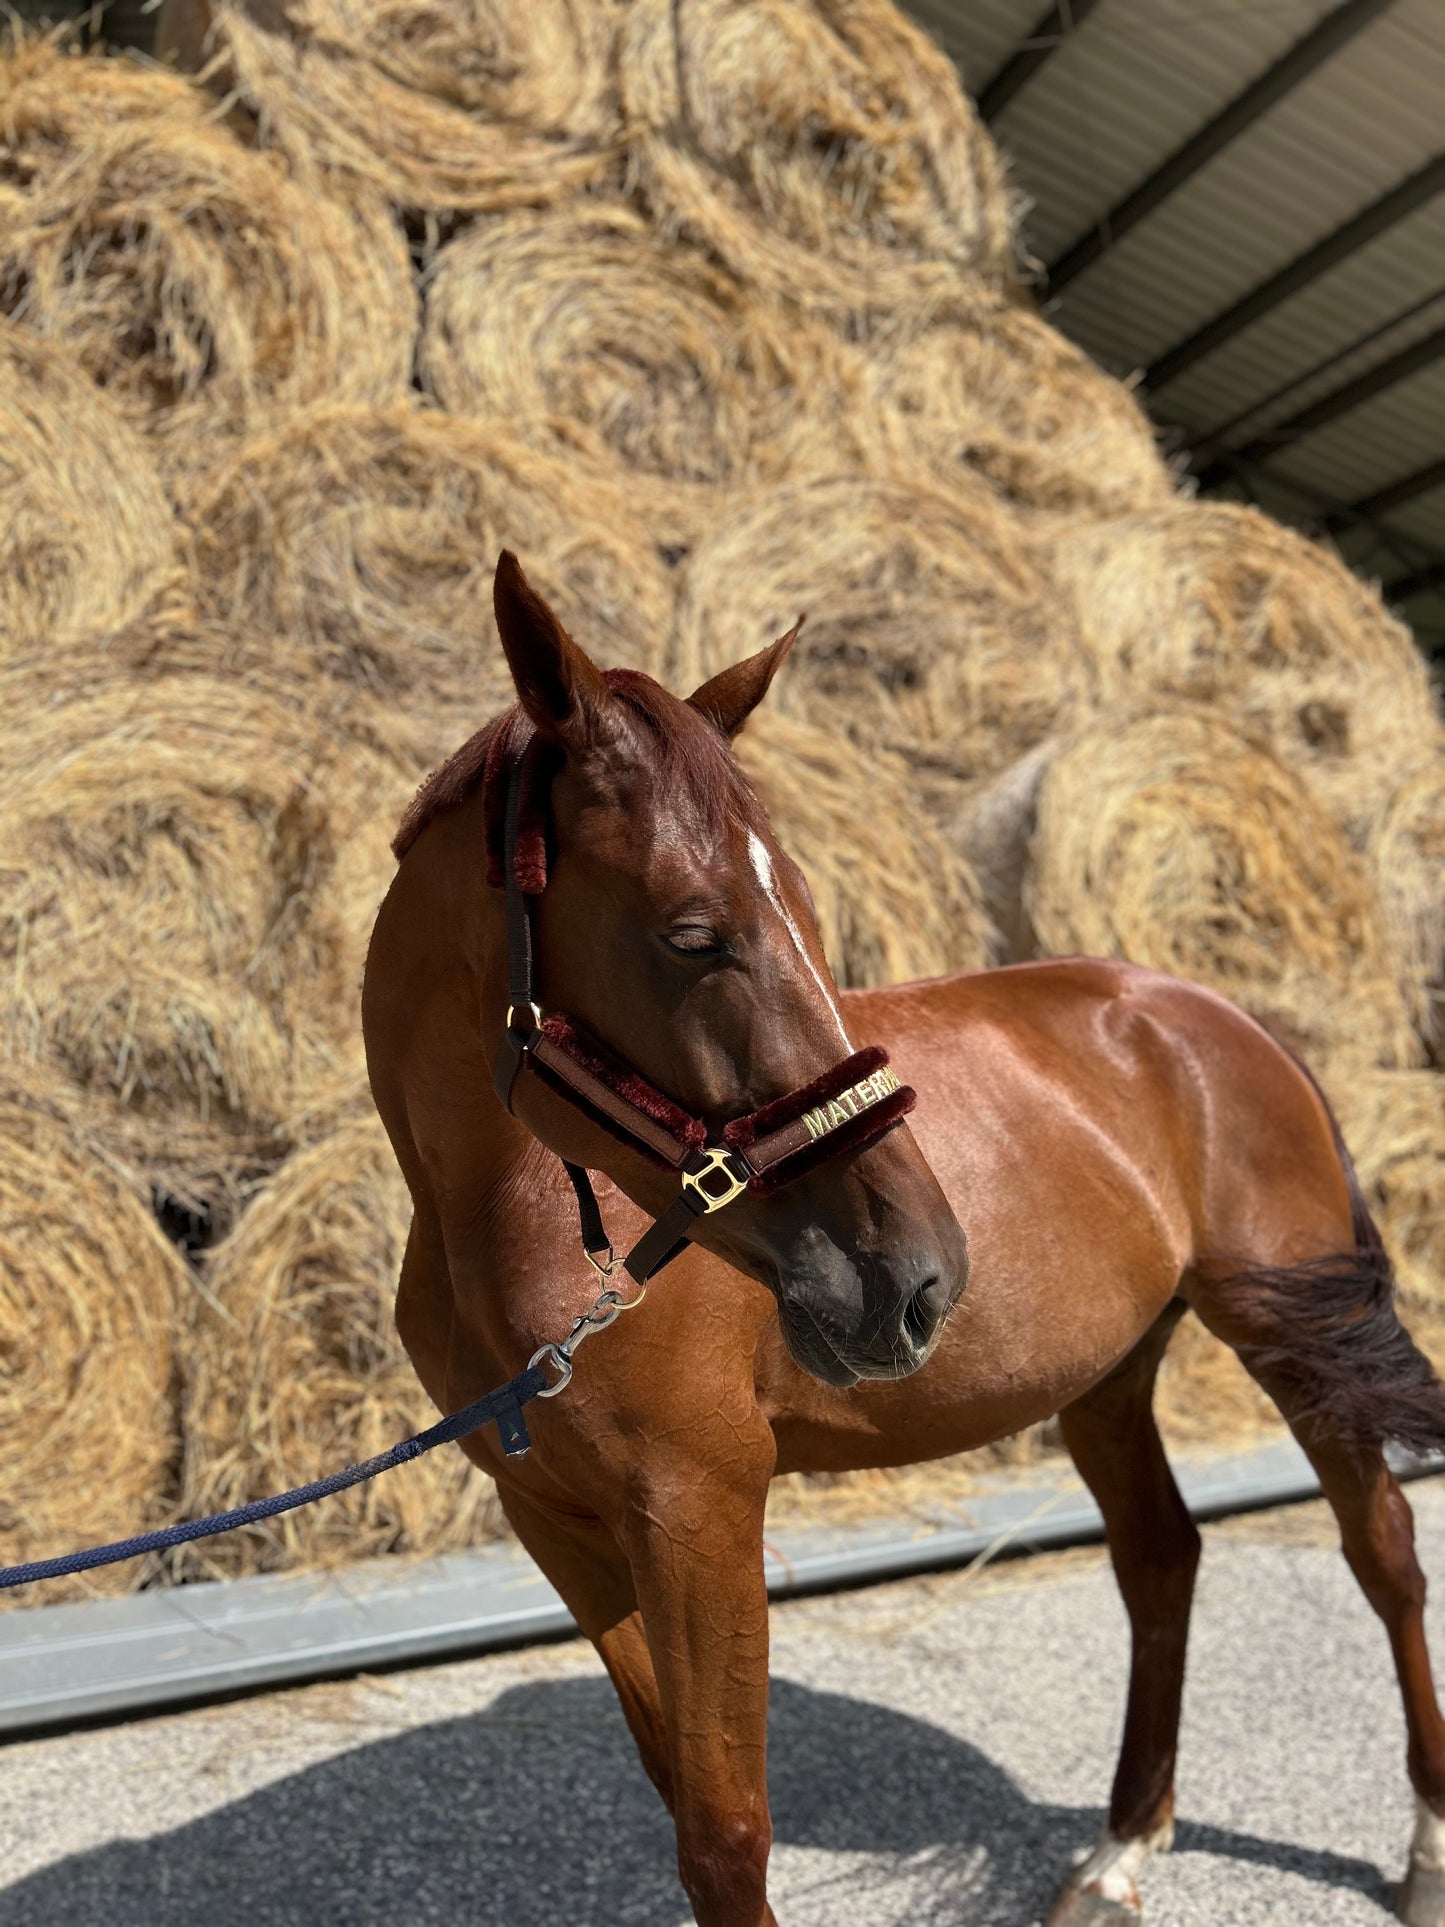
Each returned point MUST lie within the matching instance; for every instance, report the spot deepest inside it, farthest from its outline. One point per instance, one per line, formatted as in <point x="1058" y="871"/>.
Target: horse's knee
<point x="723" y="1860"/>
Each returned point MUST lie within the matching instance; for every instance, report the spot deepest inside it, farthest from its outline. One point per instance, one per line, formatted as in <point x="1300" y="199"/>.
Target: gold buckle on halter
<point x="717" y="1182"/>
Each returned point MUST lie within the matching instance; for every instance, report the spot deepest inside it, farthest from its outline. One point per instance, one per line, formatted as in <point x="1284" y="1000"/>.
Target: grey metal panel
<point x="978" y="34"/>
<point x="1423" y="519"/>
<point x="65" y="1663"/>
<point x="1362" y="122"/>
<point x="1388" y="436"/>
<point x="1124" y="93"/>
<point x="1360" y="293"/>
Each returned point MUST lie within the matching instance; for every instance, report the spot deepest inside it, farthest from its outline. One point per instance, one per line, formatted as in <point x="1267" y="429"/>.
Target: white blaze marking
<point x="1427" y="1849"/>
<point x="763" y="866"/>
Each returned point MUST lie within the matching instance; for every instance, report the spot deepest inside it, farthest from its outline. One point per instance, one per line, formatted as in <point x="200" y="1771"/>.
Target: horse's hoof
<point x="1078" y="1907"/>
<point x="1421" y="1900"/>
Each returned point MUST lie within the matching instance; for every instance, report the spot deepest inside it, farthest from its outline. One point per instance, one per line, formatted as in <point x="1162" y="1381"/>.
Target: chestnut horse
<point x="1119" y="1146"/>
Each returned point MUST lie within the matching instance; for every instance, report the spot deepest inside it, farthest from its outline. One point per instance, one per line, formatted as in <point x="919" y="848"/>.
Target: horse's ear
<point x="732" y="695"/>
<point x="559" y="685"/>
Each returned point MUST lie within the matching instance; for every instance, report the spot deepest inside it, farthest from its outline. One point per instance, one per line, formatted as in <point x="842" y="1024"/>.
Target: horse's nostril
<point x="920" y="1313"/>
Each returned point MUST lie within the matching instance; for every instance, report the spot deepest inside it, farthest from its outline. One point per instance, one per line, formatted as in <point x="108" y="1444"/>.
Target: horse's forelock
<point x="693" y="760"/>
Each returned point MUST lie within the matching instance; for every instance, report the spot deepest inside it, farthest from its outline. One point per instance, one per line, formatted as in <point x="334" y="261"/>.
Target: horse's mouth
<point x="825" y="1354"/>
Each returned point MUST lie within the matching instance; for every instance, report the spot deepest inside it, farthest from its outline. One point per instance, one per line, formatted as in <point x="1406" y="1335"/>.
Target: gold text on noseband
<point x="869" y="1090"/>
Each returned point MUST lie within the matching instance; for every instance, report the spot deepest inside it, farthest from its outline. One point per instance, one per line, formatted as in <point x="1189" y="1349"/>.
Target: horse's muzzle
<point x="846" y="1318"/>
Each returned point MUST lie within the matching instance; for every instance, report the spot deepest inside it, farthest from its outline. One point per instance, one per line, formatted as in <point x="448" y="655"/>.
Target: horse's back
<point x="1193" y="1090"/>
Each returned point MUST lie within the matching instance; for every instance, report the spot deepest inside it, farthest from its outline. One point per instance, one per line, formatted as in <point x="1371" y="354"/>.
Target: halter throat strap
<point x="848" y="1106"/>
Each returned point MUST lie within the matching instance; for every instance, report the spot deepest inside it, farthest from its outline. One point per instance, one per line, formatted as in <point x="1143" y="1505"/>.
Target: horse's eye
<point x="694" y="940"/>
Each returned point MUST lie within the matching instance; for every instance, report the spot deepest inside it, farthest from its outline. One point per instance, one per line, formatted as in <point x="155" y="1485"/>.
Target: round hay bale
<point x="1172" y="840"/>
<point x="369" y="537"/>
<point x="202" y="288"/>
<point x="1407" y="857"/>
<point x="91" y="1296"/>
<point x="160" y="846"/>
<point x="823" y="149"/>
<point x="56" y="100"/>
<point x="1394" y="1124"/>
<point x="1218" y="604"/>
<point x="999" y="392"/>
<point x="87" y="539"/>
<point x="298" y="1371"/>
<point x="928" y="631"/>
<point x="893" y="902"/>
<point x="583" y="315"/>
<point x="442" y="109"/>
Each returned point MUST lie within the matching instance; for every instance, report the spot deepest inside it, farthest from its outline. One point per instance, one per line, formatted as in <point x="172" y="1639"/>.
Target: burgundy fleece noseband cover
<point x="844" y="1109"/>
<point x="848" y="1106"/>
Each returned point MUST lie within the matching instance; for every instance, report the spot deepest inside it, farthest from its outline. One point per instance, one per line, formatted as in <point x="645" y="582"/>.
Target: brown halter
<point x="848" y="1106"/>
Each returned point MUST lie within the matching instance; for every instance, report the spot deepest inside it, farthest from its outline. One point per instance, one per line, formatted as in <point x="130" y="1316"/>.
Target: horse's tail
<point x="1341" y="1351"/>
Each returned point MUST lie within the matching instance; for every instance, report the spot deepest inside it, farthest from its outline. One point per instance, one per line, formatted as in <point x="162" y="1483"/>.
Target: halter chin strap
<point x="848" y="1106"/>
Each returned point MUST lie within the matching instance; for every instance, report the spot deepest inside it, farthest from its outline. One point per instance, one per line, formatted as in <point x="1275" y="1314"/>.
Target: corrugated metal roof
<point x="1128" y="87"/>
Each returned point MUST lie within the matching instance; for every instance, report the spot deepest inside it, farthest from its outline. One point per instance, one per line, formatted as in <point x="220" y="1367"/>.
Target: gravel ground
<point x="941" y="1748"/>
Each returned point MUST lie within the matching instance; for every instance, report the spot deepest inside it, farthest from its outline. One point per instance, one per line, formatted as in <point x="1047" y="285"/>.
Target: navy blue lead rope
<point x="502" y="1407"/>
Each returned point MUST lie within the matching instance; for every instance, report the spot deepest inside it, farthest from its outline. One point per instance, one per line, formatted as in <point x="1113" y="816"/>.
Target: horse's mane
<point x="695" y="759"/>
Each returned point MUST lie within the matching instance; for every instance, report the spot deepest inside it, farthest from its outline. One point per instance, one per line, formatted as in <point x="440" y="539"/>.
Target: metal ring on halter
<point x="536" y="1016"/>
<point x="603" y="1270"/>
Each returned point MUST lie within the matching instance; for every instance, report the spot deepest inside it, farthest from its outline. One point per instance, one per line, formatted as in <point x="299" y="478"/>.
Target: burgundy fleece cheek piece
<point x="598" y="1062"/>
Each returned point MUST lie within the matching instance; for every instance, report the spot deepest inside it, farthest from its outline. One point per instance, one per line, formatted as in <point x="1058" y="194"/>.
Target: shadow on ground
<point x="537" y="1812"/>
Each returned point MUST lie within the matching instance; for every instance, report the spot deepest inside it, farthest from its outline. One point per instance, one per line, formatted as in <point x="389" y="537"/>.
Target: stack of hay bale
<point x="709" y="309"/>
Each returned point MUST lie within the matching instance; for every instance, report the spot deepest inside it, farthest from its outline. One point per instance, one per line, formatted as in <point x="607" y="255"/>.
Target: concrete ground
<point x="940" y="1749"/>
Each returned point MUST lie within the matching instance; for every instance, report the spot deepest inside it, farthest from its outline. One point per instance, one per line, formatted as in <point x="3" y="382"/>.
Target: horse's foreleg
<point x="1115" y="1444"/>
<point x="697" y="1560"/>
<point x="590" y="1571"/>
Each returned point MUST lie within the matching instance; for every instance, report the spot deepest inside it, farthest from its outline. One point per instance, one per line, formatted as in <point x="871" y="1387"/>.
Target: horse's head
<point x="675" y="928"/>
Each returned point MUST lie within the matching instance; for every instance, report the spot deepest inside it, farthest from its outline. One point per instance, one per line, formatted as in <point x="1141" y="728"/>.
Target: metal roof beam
<point x="1037" y="47"/>
<point x="1385" y="374"/>
<point x="1420" y="583"/>
<point x="1393" y="496"/>
<point x="1317" y="46"/>
<point x="1366" y="226"/>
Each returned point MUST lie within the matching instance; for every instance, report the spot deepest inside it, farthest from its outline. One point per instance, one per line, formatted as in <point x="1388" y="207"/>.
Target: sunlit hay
<point x="583" y="315"/>
<point x="56" y="101"/>
<point x="824" y="149"/>
<point x="927" y="630"/>
<point x="370" y="537"/>
<point x="202" y="288"/>
<point x="91" y="1300"/>
<point x="160" y="846"/>
<point x="998" y="391"/>
<point x="512" y="122"/>
<point x="299" y="1371"/>
<point x="1394" y="1124"/>
<point x="87" y="539"/>
<point x="1220" y="605"/>
<point x="1205" y="1397"/>
<point x="1406" y="854"/>
<point x="1173" y="840"/>
<point x="893" y="902"/>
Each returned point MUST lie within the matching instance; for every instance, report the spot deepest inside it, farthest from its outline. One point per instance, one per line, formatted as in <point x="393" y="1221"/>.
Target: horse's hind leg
<point x="1115" y="1444"/>
<point x="1377" y="1533"/>
<point x="1377" y="1536"/>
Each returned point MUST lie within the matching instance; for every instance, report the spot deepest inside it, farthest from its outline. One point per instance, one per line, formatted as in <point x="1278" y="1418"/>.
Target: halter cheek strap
<point x="844" y="1109"/>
